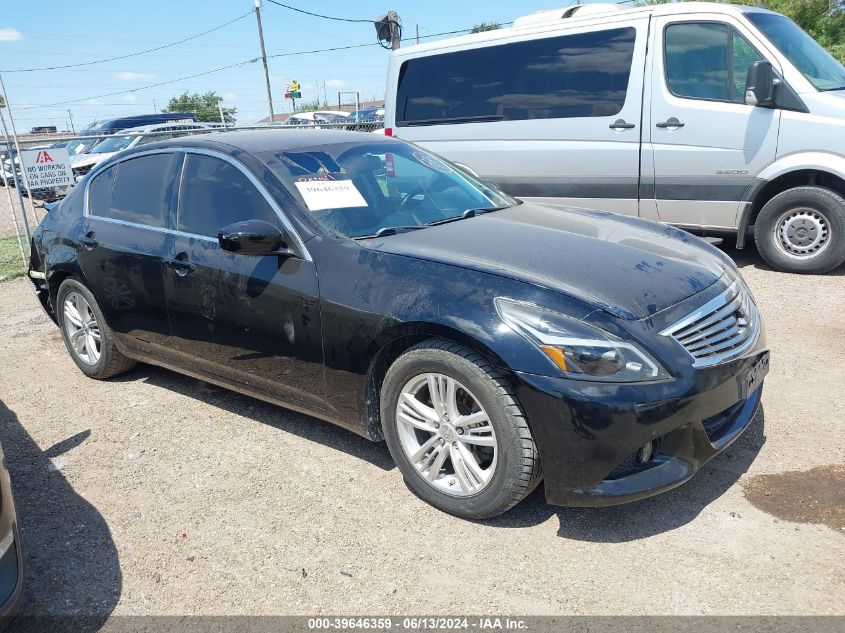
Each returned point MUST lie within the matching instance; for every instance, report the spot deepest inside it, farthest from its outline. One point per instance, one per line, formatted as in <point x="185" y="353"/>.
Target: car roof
<point x="149" y="127"/>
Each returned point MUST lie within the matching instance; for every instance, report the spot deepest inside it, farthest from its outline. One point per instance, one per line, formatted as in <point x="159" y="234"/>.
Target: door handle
<point x="670" y="122"/>
<point x="88" y="241"/>
<point x="621" y="124"/>
<point x="181" y="266"/>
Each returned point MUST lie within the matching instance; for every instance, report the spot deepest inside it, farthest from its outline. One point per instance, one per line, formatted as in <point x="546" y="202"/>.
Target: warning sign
<point x="47" y="167"/>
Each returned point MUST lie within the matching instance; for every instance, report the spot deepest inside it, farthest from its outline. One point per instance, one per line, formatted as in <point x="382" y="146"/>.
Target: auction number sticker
<point x="324" y="192"/>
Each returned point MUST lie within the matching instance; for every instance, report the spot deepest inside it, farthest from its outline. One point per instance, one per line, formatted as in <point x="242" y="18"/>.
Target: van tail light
<point x="388" y="131"/>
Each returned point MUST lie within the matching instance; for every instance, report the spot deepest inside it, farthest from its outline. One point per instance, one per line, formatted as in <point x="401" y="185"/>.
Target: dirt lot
<point x="153" y="493"/>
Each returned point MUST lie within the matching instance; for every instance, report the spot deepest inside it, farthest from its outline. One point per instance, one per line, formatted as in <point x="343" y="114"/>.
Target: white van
<point x="713" y="117"/>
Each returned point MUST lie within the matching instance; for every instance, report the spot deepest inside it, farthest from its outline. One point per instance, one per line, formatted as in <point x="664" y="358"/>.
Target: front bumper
<point x="588" y="433"/>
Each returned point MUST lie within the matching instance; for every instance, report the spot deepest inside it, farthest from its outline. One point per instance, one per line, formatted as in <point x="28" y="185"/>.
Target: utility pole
<point x="155" y="108"/>
<point x="393" y="20"/>
<point x="418" y="33"/>
<point x="222" y="118"/>
<point x="72" y="128"/>
<point x="264" y="58"/>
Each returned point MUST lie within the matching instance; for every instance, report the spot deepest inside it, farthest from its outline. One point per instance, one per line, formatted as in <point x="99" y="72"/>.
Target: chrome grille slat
<point x="721" y="329"/>
<point x="689" y="339"/>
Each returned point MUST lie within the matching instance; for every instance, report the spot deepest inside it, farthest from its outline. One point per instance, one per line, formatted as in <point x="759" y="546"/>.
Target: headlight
<point x="579" y="350"/>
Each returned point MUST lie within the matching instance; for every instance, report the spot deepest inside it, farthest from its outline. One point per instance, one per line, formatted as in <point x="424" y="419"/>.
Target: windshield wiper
<point x="469" y="213"/>
<point x="391" y="230"/>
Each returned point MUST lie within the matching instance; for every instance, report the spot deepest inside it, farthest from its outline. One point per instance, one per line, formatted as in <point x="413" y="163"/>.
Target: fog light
<point x="645" y="453"/>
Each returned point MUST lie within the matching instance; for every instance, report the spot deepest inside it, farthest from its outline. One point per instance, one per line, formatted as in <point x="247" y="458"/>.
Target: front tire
<point x="87" y="336"/>
<point x="457" y="432"/>
<point x="802" y="230"/>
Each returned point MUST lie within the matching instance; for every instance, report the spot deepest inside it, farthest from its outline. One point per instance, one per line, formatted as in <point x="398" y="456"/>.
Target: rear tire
<point x="495" y="462"/>
<point x="802" y="230"/>
<point x="87" y="336"/>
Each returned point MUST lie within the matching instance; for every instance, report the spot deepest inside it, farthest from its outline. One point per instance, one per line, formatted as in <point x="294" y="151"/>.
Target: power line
<point x="112" y="59"/>
<point x="319" y="15"/>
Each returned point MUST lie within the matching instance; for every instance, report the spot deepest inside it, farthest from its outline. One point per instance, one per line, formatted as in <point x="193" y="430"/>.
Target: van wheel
<point x="87" y="336"/>
<point x="456" y="431"/>
<point x="802" y="230"/>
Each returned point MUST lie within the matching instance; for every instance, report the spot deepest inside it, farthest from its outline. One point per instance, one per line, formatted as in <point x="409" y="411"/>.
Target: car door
<point x="552" y="117"/>
<point x="251" y="319"/>
<point x="121" y="244"/>
<point x="706" y="143"/>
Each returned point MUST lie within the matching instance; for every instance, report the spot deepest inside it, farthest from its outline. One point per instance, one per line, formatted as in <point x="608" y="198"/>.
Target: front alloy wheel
<point x="446" y="434"/>
<point x="456" y="430"/>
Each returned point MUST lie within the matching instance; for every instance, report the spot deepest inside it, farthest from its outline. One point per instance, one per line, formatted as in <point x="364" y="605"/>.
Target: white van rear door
<point x="706" y="144"/>
<point x="552" y="117"/>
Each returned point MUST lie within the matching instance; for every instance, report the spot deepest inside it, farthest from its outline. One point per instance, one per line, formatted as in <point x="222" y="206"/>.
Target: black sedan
<point x="370" y="283"/>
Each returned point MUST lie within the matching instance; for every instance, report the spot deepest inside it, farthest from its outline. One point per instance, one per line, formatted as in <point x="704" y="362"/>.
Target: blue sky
<point x="60" y="32"/>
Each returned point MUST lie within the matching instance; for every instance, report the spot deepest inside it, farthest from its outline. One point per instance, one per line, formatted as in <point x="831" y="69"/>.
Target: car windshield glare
<point x="813" y="61"/>
<point x="361" y="189"/>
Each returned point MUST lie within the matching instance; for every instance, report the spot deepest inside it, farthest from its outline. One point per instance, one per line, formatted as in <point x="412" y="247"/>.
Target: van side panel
<point x="559" y="143"/>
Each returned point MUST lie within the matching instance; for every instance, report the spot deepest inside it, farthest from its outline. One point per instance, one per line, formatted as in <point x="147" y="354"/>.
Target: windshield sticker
<point x="432" y="163"/>
<point x="324" y="192"/>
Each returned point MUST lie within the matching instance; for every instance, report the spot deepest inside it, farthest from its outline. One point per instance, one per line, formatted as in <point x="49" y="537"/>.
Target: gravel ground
<point x="156" y="494"/>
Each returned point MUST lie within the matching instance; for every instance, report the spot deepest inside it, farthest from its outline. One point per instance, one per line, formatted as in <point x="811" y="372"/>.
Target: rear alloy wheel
<point x="802" y="230"/>
<point x="456" y="431"/>
<point x="87" y="336"/>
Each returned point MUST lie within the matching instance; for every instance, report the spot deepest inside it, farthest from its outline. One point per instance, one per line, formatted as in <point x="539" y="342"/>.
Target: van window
<point x="582" y="75"/>
<point x="707" y="60"/>
<point x="142" y="189"/>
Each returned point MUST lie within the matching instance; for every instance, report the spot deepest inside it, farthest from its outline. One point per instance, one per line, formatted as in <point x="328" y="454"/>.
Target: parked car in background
<point x="11" y="555"/>
<point x="110" y="126"/>
<point x="490" y="342"/>
<point x="128" y="138"/>
<point x="710" y="116"/>
<point x="315" y="119"/>
<point x="366" y="119"/>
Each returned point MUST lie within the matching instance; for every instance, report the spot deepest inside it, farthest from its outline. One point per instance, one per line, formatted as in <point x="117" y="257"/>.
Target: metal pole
<point x="222" y="118"/>
<point x="418" y="33"/>
<point x="12" y="208"/>
<point x="20" y="158"/>
<point x="393" y="19"/>
<point x="70" y="114"/>
<point x="264" y="58"/>
<point x="15" y="179"/>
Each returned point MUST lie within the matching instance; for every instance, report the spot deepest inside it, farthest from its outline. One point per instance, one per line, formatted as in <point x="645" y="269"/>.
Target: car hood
<point x="629" y="267"/>
<point x="83" y="160"/>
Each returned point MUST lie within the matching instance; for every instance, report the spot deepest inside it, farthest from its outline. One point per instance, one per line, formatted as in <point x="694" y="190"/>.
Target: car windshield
<point x="815" y="63"/>
<point x="364" y="189"/>
<point x="112" y="144"/>
<point x="80" y="146"/>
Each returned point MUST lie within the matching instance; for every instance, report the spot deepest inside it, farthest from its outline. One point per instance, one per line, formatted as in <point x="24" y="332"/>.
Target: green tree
<point x="485" y="26"/>
<point x="824" y="20"/>
<point x="311" y="106"/>
<point x="204" y="106"/>
<point x="2" y="102"/>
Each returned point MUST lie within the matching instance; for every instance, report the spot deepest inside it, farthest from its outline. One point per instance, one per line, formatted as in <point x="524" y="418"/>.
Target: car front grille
<point x="721" y="329"/>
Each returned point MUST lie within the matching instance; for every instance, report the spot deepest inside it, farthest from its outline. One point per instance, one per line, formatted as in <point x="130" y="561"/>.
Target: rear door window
<point x="142" y="189"/>
<point x="580" y="75"/>
<point x="214" y="194"/>
<point x="99" y="193"/>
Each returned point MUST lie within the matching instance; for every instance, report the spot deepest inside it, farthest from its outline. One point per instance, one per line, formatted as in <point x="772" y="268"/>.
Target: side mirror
<point x="253" y="237"/>
<point x="760" y="84"/>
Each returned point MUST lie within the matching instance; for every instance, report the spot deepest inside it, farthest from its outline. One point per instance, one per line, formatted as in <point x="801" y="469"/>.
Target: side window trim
<point x="731" y="31"/>
<point x="300" y="245"/>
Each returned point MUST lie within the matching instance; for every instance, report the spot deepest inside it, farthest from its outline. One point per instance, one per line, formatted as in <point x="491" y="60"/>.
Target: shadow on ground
<point x="612" y="525"/>
<point x="304" y="426"/>
<point x="71" y="563"/>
